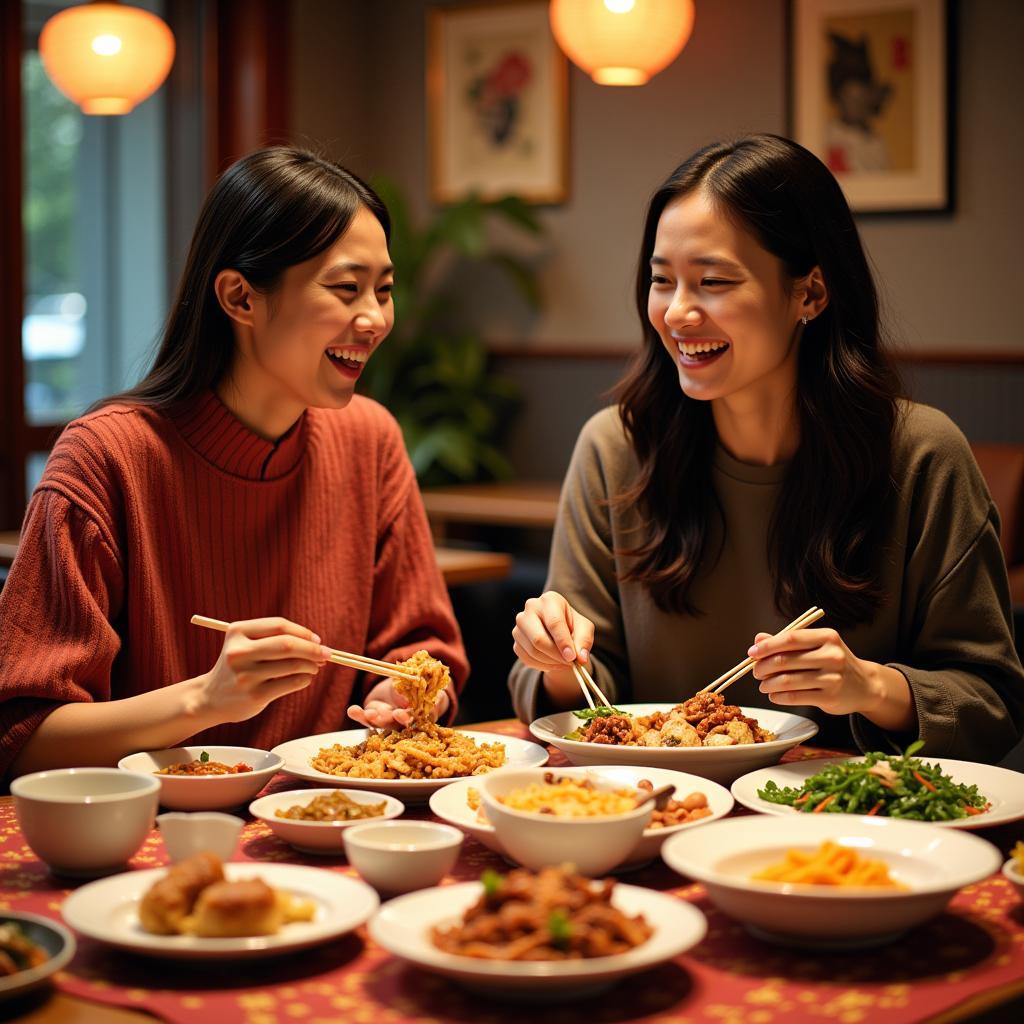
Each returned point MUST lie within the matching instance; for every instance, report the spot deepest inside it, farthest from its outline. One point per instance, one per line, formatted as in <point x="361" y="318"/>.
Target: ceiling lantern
<point x="621" y="42"/>
<point x="106" y="57"/>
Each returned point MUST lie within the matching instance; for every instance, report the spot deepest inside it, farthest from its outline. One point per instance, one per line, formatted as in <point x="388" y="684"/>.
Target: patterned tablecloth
<point x="968" y="957"/>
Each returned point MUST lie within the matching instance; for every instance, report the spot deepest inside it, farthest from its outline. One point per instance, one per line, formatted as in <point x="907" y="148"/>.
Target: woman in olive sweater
<point x="761" y="460"/>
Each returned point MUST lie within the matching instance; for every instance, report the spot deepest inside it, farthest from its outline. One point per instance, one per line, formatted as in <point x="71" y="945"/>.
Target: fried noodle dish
<point x="704" y="720"/>
<point x="553" y="914"/>
<point x="421" y="750"/>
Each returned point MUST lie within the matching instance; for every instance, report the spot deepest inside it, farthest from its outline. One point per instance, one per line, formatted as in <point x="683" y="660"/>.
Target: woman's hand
<point x="550" y="634"/>
<point x="386" y="708"/>
<point x="815" y="667"/>
<point x="261" y="660"/>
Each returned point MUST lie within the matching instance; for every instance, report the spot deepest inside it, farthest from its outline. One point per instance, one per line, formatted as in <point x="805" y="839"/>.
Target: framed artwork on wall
<point x="869" y="93"/>
<point x="497" y="96"/>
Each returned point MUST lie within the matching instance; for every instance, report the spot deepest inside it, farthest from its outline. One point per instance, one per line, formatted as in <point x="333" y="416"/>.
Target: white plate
<point x="107" y="910"/>
<point x="450" y="804"/>
<point x="1003" y="788"/>
<point x="402" y="926"/>
<point x="298" y="754"/>
<point x="206" y="792"/>
<point x="722" y="764"/>
<point x="932" y="862"/>
<point x="58" y="942"/>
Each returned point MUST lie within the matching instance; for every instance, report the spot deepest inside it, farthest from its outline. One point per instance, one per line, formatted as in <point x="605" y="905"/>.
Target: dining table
<point x="969" y="960"/>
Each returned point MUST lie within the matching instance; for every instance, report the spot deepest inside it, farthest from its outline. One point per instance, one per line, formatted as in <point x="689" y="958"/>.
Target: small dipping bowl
<point x="400" y="856"/>
<point x="84" y="822"/>
<point x="186" y="834"/>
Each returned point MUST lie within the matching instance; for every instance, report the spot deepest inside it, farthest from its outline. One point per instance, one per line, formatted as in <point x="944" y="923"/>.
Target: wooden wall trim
<point x="12" y="298"/>
<point x="586" y="352"/>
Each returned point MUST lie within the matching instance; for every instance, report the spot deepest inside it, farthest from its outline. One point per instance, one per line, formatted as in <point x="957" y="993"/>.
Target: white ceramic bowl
<point x="451" y="804"/>
<point x="932" y="862"/>
<point x="594" y="845"/>
<point x="85" y="821"/>
<point x="186" y="833"/>
<point x="1014" y="874"/>
<point x="400" y="856"/>
<point x="720" y="764"/>
<point x="206" y="792"/>
<point x="322" y="837"/>
<point x="53" y="937"/>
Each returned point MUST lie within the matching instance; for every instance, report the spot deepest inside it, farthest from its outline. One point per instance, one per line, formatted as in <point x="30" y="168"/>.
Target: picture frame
<point x="870" y="94"/>
<point x="497" y="103"/>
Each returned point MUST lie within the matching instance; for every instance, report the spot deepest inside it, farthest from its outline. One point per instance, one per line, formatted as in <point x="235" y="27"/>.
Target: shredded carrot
<point x="824" y="803"/>
<point x="802" y="799"/>
<point x="876" y="808"/>
<point x="968" y="809"/>
<point x="924" y="782"/>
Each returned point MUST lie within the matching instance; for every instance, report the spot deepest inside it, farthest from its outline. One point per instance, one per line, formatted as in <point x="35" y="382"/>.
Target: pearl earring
<point x="803" y="320"/>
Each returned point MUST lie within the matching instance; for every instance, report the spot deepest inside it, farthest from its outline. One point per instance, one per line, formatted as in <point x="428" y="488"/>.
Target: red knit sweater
<point x="143" y="519"/>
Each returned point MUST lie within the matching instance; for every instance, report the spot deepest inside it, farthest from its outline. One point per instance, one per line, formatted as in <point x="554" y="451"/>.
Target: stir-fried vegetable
<point x="589" y="714"/>
<point x="892" y="786"/>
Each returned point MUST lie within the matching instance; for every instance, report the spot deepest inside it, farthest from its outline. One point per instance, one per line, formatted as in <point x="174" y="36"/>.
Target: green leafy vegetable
<point x="893" y="786"/>
<point x="586" y="714"/>
<point x="559" y="928"/>
<point x="204" y="757"/>
<point x="492" y="882"/>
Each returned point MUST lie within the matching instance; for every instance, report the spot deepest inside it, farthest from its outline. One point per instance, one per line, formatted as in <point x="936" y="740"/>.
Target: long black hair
<point x="824" y="536"/>
<point x="268" y="211"/>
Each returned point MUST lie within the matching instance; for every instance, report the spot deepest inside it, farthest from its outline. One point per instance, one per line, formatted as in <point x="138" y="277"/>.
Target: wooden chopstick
<point x="581" y="671"/>
<point x="724" y="681"/>
<point x="356" y="661"/>
<point x="583" y="685"/>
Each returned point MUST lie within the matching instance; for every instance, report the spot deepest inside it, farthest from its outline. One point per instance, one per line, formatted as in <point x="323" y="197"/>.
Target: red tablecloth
<point x="974" y="951"/>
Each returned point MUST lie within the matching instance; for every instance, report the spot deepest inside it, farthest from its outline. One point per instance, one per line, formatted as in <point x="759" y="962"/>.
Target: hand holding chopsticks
<point x="587" y="684"/>
<point x="356" y="661"/>
<point x="738" y="671"/>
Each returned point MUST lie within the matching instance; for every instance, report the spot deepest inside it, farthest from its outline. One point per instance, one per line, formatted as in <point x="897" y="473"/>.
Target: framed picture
<point x="869" y="94"/>
<point x="497" y="103"/>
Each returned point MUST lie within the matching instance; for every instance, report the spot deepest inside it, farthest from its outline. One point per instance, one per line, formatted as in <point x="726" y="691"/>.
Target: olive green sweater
<point x="945" y="624"/>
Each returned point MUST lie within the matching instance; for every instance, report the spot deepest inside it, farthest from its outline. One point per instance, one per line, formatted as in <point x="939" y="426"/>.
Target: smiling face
<point x="306" y="342"/>
<point x="723" y="306"/>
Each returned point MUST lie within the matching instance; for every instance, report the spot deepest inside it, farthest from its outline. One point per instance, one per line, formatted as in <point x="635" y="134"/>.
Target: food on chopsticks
<point x="888" y="785"/>
<point x="830" y="864"/>
<point x="552" y="914"/>
<point x="202" y="765"/>
<point x="676" y="812"/>
<point x="17" y="951"/>
<point x="334" y="805"/>
<point x="422" y="749"/>
<point x="194" y="898"/>
<point x="704" y="720"/>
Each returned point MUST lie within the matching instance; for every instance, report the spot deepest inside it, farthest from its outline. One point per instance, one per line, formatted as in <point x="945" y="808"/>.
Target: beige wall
<point x="952" y="281"/>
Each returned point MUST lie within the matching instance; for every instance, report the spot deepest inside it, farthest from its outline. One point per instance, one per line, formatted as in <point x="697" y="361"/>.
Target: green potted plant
<point x="434" y="373"/>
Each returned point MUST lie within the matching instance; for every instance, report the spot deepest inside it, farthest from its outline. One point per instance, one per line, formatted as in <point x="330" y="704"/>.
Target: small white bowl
<point x="400" y="856"/>
<point x="186" y="833"/>
<point x="1015" y="875"/>
<point x="206" y="792"/>
<point x="933" y="863"/>
<point x="85" y="821"/>
<point x="594" y="845"/>
<point x="320" y="837"/>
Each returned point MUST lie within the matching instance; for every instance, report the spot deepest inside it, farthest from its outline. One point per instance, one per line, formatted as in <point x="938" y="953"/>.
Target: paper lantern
<point x="106" y="57"/>
<point x="621" y="42"/>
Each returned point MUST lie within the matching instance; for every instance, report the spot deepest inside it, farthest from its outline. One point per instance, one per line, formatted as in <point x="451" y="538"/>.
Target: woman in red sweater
<point x="241" y="479"/>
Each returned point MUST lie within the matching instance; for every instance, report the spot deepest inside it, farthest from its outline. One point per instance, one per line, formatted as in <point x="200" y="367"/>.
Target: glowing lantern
<point x="621" y="42"/>
<point x="106" y="57"/>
